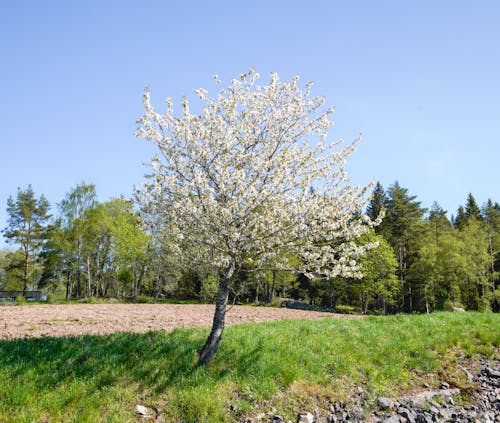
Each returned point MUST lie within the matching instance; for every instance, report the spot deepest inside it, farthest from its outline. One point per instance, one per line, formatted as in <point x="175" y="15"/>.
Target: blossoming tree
<point x="250" y="179"/>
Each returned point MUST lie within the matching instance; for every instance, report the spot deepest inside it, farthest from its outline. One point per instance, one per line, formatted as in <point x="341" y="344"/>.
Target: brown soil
<point x="98" y="319"/>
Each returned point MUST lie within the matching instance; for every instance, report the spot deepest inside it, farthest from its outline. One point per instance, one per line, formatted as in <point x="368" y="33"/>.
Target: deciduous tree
<point x="249" y="177"/>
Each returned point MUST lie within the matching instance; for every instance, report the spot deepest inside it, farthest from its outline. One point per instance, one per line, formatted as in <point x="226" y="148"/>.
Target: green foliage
<point x="477" y="286"/>
<point x="20" y="300"/>
<point x="377" y="202"/>
<point x="101" y="378"/>
<point x="461" y="219"/>
<point x="27" y="227"/>
<point x="209" y="289"/>
<point x="143" y="299"/>
<point x="12" y="270"/>
<point x="89" y="300"/>
<point x="103" y="250"/>
<point x="51" y="299"/>
<point x="379" y="283"/>
<point x="472" y="209"/>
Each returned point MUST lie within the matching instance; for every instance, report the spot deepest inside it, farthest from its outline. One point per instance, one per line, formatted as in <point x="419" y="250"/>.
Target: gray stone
<point x="305" y="418"/>
<point x="140" y="409"/>
<point x="430" y="406"/>
<point x="492" y="373"/>
<point x="407" y="414"/>
<point x="385" y="403"/>
<point x="422" y="418"/>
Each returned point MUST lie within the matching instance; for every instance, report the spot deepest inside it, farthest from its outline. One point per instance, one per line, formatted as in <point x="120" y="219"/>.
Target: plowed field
<point x="99" y="319"/>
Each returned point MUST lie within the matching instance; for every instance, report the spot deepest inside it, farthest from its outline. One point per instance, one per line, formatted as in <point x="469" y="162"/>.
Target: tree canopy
<point x="250" y="177"/>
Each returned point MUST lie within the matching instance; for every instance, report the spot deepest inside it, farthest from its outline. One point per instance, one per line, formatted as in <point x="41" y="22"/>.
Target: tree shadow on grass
<point x="152" y="360"/>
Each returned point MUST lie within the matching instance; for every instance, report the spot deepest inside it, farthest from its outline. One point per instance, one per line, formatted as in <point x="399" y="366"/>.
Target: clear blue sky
<point x="419" y="79"/>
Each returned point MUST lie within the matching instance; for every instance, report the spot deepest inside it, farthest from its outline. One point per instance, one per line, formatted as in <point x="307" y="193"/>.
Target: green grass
<point x="289" y="364"/>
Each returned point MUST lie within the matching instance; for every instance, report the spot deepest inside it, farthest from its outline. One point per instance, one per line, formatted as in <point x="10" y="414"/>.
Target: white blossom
<point x="252" y="176"/>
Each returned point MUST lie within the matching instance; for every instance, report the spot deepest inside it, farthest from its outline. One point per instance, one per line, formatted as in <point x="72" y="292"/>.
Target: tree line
<point x="424" y="261"/>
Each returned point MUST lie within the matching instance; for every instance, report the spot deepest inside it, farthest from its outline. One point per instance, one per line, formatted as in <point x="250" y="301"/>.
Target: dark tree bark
<point x="69" y="286"/>
<point x="212" y="343"/>
<point x="26" y="269"/>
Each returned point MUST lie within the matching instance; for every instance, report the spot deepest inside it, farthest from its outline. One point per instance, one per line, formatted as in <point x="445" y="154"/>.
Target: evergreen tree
<point x="27" y="226"/>
<point x="472" y="210"/>
<point x="438" y="220"/>
<point x="461" y="218"/>
<point x="377" y="202"/>
<point x="402" y="227"/>
<point x="491" y="213"/>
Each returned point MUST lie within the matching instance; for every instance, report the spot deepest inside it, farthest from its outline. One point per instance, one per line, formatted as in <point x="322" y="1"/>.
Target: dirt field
<point x="99" y="319"/>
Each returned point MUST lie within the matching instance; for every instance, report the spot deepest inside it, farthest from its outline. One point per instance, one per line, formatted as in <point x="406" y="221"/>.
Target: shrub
<point x="144" y="299"/>
<point x="88" y="300"/>
<point x="20" y="300"/>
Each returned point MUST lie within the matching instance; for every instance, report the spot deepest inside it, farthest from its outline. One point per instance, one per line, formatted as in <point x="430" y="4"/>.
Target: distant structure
<point x="12" y="295"/>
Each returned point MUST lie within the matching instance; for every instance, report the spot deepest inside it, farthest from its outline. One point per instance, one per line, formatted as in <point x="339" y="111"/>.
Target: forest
<point x="82" y="249"/>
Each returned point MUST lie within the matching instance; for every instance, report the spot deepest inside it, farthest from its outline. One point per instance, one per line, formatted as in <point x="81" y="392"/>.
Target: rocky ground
<point x="35" y="321"/>
<point x="480" y="403"/>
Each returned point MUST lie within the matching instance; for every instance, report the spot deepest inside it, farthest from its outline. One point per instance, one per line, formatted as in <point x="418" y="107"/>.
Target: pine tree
<point x="461" y="219"/>
<point x="27" y="226"/>
<point x="377" y="201"/>
<point x="401" y="227"/>
<point x="472" y="210"/>
<point x="438" y="220"/>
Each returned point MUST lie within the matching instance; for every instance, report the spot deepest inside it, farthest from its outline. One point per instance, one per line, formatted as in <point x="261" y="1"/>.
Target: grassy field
<point x="288" y="365"/>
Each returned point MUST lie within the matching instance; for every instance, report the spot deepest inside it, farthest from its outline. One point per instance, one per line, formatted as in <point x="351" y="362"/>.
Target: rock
<point x="305" y="418"/>
<point x="444" y="385"/>
<point x="458" y="309"/>
<point x="492" y="373"/>
<point x="278" y="419"/>
<point x="429" y="406"/>
<point x="385" y="403"/>
<point x="409" y="415"/>
<point x="140" y="409"/>
<point x="469" y="375"/>
<point x="422" y="418"/>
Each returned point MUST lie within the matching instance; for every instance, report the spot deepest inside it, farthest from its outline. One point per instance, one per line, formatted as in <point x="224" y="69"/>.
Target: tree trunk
<point x="89" y="282"/>
<point x="68" y="286"/>
<point x="212" y="344"/>
<point x="273" y="287"/>
<point x="26" y="269"/>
